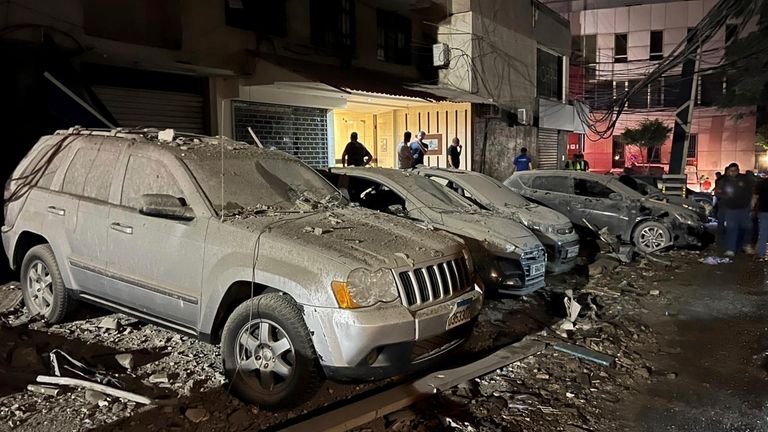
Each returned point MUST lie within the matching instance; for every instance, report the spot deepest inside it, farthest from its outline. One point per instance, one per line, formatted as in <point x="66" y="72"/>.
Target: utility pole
<point x="686" y="98"/>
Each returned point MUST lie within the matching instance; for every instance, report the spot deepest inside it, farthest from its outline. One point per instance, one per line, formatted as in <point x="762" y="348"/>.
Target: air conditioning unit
<point x="522" y="116"/>
<point x="441" y="55"/>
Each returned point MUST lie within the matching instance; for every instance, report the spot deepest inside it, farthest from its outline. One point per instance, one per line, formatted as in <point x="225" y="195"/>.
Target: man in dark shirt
<point x="419" y="149"/>
<point x="761" y="208"/>
<point x="454" y="153"/>
<point x="734" y="193"/>
<point x="355" y="153"/>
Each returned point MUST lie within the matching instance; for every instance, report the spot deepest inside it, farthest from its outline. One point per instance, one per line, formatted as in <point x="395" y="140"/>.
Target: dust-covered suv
<point x="238" y="245"/>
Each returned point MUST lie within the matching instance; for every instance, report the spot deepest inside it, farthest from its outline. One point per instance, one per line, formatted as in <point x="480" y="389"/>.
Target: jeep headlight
<point x="502" y="248"/>
<point x="364" y="288"/>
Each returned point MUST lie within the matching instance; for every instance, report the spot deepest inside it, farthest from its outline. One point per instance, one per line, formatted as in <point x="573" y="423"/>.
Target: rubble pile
<point x="555" y="390"/>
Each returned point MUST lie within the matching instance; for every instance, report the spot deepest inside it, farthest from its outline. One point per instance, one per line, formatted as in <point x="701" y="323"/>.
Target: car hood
<point x="535" y="213"/>
<point x="353" y="236"/>
<point x="501" y="232"/>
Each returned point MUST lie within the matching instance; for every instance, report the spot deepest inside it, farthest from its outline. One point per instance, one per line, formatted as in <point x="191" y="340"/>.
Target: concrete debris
<point x="405" y="257"/>
<point x="713" y="260"/>
<point x="654" y="292"/>
<point x="585" y="353"/>
<point x="99" y="388"/>
<point x="166" y="135"/>
<point x="197" y="415"/>
<point x="159" y="378"/>
<point x="125" y="360"/>
<point x="110" y="323"/>
<point x="11" y="297"/>
<point x="45" y="390"/>
<point x="95" y="397"/>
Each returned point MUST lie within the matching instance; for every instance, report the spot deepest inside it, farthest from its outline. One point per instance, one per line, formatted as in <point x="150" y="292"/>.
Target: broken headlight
<point x="364" y="288"/>
<point x="687" y="218"/>
<point x="538" y="226"/>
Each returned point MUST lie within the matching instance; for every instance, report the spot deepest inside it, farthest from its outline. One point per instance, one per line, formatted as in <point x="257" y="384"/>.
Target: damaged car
<point x="508" y="257"/>
<point x="603" y="202"/>
<point x="240" y="246"/>
<point x="553" y="230"/>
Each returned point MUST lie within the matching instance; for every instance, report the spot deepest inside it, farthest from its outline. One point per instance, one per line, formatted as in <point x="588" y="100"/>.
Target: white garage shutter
<point x="548" y="140"/>
<point x="153" y="108"/>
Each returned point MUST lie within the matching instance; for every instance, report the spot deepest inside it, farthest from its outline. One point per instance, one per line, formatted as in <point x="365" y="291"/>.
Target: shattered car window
<point x="261" y="181"/>
<point x="494" y="190"/>
<point x="591" y="189"/>
<point x="551" y="183"/>
<point x="432" y="194"/>
<point x="147" y="176"/>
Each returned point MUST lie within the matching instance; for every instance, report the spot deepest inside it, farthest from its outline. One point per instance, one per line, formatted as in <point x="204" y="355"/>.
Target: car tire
<point x="268" y="355"/>
<point x="42" y="286"/>
<point x="650" y="236"/>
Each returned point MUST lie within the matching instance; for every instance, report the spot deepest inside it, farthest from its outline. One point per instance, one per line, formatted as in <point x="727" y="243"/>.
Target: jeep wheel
<point x="651" y="236"/>
<point x="268" y="354"/>
<point x="44" y="292"/>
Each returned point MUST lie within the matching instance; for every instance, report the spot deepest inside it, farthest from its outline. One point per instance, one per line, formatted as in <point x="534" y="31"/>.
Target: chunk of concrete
<point x="196" y="415"/>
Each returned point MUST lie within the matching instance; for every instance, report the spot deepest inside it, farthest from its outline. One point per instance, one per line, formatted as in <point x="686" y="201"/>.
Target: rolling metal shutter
<point x="548" y="145"/>
<point x="153" y="108"/>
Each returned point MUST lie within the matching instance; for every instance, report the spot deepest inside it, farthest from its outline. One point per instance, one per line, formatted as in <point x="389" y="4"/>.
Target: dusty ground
<point x="690" y="358"/>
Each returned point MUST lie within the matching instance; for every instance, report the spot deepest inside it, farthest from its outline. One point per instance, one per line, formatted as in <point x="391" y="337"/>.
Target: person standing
<point x="523" y="162"/>
<point x="761" y="208"/>
<point x="419" y="149"/>
<point x="404" y="155"/>
<point x="454" y="153"/>
<point x="735" y="193"/>
<point x="355" y="153"/>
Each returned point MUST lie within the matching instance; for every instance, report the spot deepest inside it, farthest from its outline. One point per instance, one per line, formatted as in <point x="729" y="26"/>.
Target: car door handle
<point x="57" y="211"/>
<point x="125" y="229"/>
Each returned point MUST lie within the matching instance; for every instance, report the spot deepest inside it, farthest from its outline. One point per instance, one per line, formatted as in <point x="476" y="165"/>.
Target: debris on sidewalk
<point x="587" y="354"/>
<point x="713" y="260"/>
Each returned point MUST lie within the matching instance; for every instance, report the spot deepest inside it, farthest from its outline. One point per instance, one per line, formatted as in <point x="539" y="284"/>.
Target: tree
<point x="648" y="135"/>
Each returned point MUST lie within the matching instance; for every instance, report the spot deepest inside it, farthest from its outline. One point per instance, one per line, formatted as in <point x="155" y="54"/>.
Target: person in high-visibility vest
<point x="577" y="163"/>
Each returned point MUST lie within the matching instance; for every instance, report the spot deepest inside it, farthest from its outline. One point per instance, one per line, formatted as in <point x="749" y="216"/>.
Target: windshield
<point x="493" y="190"/>
<point x="262" y="181"/>
<point x="431" y="194"/>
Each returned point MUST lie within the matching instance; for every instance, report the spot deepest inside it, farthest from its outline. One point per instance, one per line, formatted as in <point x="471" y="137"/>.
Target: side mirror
<point x="165" y="206"/>
<point x="616" y="197"/>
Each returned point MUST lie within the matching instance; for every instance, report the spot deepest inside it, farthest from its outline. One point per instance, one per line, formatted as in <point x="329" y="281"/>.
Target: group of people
<point x="742" y="211"/>
<point x="409" y="153"/>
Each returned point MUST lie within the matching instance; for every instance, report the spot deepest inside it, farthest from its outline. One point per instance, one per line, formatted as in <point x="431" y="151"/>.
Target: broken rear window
<point x="432" y="194"/>
<point x="260" y="180"/>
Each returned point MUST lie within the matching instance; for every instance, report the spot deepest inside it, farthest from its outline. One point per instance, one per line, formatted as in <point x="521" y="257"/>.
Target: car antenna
<point x="221" y="142"/>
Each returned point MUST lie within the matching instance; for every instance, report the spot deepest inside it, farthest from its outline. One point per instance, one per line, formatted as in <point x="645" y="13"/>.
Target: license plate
<point x="571" y="252"/>
<point x="461" y="314"/>
<point x="537" y="269"/>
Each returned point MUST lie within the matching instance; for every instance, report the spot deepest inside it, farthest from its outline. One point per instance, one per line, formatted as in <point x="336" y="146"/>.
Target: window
<point x="655" y="93"/>
<point x="332" y="25"/>
<point x="639" y="100"/>
<point x="600" y="94"/>
<point x="731" y="33"/>
<point x="147" y="176"/>
<point x="99" y="179"/>
<point x="711" y="88"/>
<point x="549" y="75"/>
<point x="620" y="48"/>
<point x="591" y="189"/>
<point x="259" y="16"/>
<point x="693" y="145"/>
<point x="671" y="91"/>
<point x="653" y="155"/>
<point x="74" y="179"/>
<point x="394" y="37"/>
<point x="618" y="155"/>
<point x="558" y="184"/>
<point x="657" y="45"/>
<point x="590" y="49"/>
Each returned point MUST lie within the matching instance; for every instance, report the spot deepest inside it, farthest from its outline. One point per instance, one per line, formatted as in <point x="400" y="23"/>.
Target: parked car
<point x="604" y="202"/>
<point x="508" y="257"/>
<point x="553" y="229"/>
<point x="289" y="279"/>
<point x="700" y="202"/>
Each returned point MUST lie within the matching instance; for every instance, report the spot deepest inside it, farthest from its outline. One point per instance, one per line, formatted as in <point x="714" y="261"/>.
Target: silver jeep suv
<point x="238" y="245"/>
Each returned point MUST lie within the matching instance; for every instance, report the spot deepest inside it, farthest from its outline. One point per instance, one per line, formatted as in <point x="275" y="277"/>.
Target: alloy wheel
<point x="40" y="287"/>
<point x="265" y="353"/>
<point x="652" y="238"/>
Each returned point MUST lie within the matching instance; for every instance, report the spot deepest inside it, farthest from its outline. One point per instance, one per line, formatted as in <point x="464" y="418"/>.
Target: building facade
<point x="616" y="43"/>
